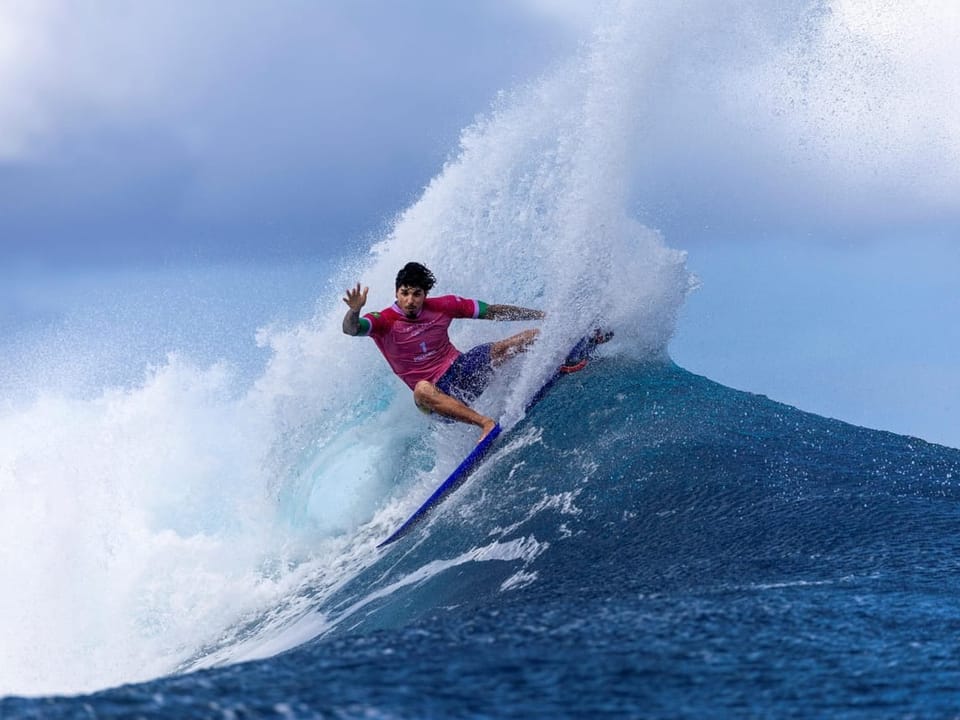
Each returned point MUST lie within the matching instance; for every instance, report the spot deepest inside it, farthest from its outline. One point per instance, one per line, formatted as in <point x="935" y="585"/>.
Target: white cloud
<point x="23" y="53"/>
<point x="73" y="66"/>
<point x="285" y="118"/>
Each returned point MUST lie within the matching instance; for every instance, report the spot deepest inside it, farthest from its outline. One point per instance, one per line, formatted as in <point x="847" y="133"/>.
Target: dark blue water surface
<point x="659" y="546"/>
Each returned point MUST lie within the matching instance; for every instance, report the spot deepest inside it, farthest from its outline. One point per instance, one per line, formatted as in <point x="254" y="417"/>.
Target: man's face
<point x="410" y="300"/>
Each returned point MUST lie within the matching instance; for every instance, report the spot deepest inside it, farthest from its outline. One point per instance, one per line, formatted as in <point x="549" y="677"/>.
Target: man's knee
<point x="423" y="394"/>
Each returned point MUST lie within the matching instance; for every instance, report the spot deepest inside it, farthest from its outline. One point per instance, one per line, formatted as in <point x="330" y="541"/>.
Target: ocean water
<point x="196" y="466"/>
<point x="645" y="543"/>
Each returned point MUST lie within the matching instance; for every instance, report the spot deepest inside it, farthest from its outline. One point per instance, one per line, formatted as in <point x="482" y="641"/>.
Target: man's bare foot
<point x="488" y="425"/>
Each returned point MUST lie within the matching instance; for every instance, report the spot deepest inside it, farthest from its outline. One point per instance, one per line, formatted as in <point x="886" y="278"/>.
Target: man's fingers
<point x="355" y="294"/>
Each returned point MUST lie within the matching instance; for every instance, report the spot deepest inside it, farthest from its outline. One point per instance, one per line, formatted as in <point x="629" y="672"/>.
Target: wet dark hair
<point x="415" y="275"/>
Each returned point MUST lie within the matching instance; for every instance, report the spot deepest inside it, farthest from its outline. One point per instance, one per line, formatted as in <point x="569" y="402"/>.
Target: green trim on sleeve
<point x="483" y="308"/>
<point x="363" y="326"/>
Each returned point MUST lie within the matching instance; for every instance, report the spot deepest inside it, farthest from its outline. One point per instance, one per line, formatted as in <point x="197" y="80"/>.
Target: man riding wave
<point x="412" y="335"/>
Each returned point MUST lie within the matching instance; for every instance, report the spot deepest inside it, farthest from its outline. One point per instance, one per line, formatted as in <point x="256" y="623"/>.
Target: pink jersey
<point x="419" y="349"/>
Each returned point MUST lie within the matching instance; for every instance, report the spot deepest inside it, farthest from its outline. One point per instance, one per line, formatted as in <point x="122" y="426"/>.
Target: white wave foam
<point x="130" y="526"/>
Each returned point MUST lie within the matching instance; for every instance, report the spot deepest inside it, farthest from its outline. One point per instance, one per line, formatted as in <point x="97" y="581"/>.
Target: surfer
<point x="412" y="335"/>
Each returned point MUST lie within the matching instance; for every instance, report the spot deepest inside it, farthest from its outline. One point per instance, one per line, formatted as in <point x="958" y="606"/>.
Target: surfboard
<point x="455" y="479"/>
<point x="576" y="360"/>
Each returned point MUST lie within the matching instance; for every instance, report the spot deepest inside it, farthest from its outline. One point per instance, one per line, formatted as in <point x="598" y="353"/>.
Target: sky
<point x="136" y="129"/>
<point x="805" y="154"/>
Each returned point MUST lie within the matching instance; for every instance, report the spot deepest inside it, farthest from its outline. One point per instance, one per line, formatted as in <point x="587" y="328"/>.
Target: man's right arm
<point x="351" y="322"/>
<point x="355" y="300"/>
<point x="511" y="312"/>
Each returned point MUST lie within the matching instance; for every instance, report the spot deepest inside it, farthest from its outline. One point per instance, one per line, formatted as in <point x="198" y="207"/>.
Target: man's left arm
<point x="511" y="312"/>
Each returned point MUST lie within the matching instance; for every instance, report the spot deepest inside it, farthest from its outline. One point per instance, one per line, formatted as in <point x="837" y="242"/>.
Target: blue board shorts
<point x="469" y="375"/>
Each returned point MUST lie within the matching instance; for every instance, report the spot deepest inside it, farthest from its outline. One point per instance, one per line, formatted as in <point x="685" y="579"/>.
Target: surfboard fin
<point x="568" y="368"/>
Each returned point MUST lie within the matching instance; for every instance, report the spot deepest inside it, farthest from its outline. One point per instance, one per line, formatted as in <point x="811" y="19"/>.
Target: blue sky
<point x="806" y="156"/>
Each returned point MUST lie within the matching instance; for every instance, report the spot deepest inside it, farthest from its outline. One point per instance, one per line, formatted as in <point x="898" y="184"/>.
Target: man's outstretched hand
<point x="356" y="298"/>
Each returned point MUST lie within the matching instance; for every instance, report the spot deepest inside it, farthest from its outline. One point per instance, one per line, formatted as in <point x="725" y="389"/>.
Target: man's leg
<point x="508" y="347"/>
<point x="427" y="396"/>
